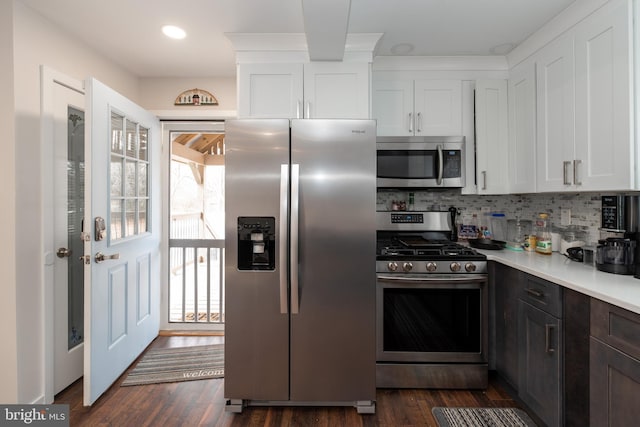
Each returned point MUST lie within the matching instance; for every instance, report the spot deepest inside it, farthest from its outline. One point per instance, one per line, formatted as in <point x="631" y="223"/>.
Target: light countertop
<point x="620" y="290"/>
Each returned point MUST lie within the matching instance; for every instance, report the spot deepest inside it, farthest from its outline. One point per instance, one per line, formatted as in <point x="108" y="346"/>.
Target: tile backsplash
<point x="585" y="207"/>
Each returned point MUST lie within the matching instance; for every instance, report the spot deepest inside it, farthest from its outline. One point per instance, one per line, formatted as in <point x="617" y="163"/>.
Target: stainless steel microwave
<point x="420" y="162"/>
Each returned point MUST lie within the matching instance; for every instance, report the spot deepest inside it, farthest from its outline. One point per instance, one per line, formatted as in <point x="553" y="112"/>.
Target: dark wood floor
<point x="201" y="403"/>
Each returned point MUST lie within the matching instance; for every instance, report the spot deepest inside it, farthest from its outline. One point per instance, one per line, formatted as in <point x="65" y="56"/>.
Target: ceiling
<point x="128" y="31"/>
<point x="210" y="143"/>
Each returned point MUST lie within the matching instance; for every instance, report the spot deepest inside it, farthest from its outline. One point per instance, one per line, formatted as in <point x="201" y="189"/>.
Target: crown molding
<point x="297" y="42"/>
<point x="561" y="23"/>
<point x="440" y="63"/>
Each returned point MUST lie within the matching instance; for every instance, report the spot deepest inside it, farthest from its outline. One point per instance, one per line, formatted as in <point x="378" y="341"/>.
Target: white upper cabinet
<point x="418" y="107"/>
<point x="492" y="137"/>
<point x="270" y="90"/>
<point x="585" y="136"/>
<point x="327" y="90"/>
<point x="522" y="128"/>
<point x="336" y="90"/>
<point x="393" y="107"/>
<point x="555" y="115"/>
<point x="438" y="107"/>
<point x="604" y="141"/>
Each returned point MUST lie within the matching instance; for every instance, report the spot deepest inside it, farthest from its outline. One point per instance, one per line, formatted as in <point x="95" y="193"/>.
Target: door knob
<point x="63" y="253"/>
<point x="102" y="257"/>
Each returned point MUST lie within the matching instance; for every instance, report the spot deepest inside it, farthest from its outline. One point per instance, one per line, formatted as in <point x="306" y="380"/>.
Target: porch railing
<point x="196" y="285"/>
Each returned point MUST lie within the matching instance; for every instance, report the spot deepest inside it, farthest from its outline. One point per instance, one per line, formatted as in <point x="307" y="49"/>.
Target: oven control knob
<point x="407" y="266"/>
<point x="470" y="267"/>
<point x="392" y="266"/>
<point x="431" y="266"/>
<point x="455" y="266"/>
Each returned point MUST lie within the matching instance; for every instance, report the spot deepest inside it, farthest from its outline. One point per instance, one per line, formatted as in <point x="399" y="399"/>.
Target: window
<point x="129" y="171"/>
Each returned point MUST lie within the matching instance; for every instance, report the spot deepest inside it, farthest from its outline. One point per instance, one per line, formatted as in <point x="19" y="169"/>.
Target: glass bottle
<point x="543" y="234"/>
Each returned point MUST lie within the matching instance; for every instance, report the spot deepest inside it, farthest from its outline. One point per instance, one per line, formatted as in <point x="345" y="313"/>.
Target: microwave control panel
<point x="452" y="163"/>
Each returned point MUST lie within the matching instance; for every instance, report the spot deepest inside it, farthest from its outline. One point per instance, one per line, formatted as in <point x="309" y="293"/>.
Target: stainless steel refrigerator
<point x="300" y="263"/>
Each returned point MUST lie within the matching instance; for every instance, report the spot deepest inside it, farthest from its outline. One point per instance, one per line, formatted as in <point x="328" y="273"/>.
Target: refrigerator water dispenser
<point x="256" y="243"/>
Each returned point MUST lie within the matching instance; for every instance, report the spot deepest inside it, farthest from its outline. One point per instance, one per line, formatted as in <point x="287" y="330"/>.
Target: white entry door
<point x="68" y="210"/>
<point x="122" y="232"/>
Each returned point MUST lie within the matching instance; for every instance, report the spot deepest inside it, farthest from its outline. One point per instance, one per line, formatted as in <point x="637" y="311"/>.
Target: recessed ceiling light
<point x="174" y="32"/>
<point x="402" y="49"/>
<point x="502" y="49"/>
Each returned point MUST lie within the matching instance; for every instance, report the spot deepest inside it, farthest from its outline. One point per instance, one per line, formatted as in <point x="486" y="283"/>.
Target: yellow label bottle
<point x="543" y="234"/>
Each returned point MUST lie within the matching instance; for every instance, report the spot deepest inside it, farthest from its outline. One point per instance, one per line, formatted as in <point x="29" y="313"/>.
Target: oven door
<point x="415" y="165"/>
<point x="432" y="318"/>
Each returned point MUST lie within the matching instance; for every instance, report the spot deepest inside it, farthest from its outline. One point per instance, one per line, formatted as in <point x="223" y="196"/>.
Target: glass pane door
<point x="196" y="227"/>
<point x="75" y="215"/>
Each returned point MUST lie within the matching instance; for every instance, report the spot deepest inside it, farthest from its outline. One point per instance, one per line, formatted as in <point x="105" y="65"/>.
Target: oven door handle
<point x="478" y="278"/>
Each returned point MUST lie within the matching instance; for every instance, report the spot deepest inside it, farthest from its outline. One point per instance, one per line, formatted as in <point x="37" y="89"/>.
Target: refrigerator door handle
<point x="284" y="196"/>
<point x="295" y="189"/>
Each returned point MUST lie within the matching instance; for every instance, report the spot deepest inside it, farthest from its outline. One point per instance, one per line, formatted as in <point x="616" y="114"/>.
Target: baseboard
<point x="172" y="333"/>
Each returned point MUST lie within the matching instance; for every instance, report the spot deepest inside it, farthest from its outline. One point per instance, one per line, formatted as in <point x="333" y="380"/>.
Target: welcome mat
<point x="166" y="365"/>
<point x="482" y="417"/>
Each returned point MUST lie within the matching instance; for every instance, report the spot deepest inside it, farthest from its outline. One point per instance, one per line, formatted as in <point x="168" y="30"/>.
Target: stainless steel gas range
<point x="432" y="298"/>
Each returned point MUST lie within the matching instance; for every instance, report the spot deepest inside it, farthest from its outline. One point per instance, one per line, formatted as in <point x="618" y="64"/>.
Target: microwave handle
<point x="440" y="165"/>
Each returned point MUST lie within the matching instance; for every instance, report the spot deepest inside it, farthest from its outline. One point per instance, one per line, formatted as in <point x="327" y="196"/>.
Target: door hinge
<point x="85" y="237"/>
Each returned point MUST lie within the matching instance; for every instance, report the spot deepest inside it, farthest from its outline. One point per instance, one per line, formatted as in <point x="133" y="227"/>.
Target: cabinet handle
<point x="410" y="122"/>
<point x="308" y="114"/>
<point x="547" y="338"/>
<point x="298" y="109"/>
<point x="419" y="122"/>
<point x="484" y="180"/>
<point x="535" y="293"/>
<point x="576" y="163"/>
<point x="565" y="174"/>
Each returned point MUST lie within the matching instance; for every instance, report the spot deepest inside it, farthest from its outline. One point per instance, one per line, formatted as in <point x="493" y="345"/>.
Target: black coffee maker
<point x="619" y="252"/>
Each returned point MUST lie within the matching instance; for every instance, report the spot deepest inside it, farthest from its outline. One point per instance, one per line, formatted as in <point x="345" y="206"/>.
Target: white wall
<point x="8" y="331"/>
<point x="37" y="42"/>
<point x="160" y="93"/>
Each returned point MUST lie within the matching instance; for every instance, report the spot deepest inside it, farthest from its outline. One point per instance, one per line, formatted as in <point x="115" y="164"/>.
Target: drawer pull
<point x="547" y="338"/>
<point x="535" y="293"/>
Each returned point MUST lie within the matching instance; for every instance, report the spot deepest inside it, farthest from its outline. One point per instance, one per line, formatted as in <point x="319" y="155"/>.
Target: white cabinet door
<point x="336" y="90"/>
<point x="270" y="91"/>
<point x="438" y="107"/>
<point x="522" y="128"/>
<point x="312" y="90"/>
<point x="492" y="134"/>
<point x="604" y="138"/>
<point x="393" y="107"/>
<point x="555" y="116"/>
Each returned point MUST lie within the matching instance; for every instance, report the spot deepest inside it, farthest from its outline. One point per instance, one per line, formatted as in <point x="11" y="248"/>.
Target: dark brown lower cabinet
<point x="577" y="309"/>
<point x="540" y="362"/>
<point x="541" y="345"/>
<point x="615" y="366"/>
<point x="507" y="284"/>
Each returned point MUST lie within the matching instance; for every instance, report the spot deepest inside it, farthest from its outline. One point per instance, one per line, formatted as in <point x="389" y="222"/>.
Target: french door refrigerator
<point x="300" y="263"/>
